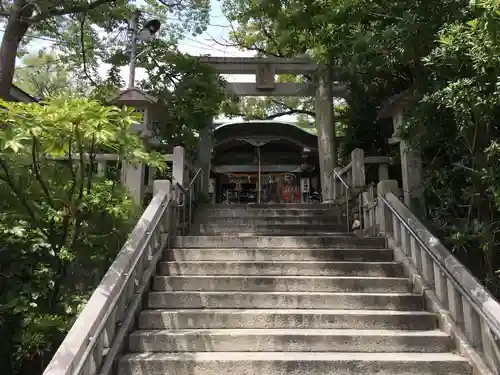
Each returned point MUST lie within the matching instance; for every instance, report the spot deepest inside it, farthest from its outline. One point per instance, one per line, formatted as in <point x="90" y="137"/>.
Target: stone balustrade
<point x="353" y="176"/>
<point x="465" y="309"/>
<point x="96" y="337"/>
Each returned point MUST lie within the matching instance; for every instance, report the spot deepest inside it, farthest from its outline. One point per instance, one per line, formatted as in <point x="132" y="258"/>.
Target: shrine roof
<point x="265" y="128"/>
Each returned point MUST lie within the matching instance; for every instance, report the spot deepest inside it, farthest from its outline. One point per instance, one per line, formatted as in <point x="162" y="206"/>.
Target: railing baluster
<point x="427" y="269"/>
<point x="415" y="253"/>
<point x="405" y="239"/>
<point x="396" y="230"/>
<point x="455" y="303"/>
<point x="491" y="348"/>
<point x="472" y="324"/>
<point x="98" y="351"/>
<point x="440" y="285"/>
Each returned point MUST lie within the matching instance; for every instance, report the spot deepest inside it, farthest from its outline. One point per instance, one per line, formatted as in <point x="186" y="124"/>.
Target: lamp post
<point x="145" y="35"/>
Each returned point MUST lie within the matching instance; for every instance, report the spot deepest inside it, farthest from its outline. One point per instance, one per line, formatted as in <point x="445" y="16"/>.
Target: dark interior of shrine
<point x="277" y="161"/>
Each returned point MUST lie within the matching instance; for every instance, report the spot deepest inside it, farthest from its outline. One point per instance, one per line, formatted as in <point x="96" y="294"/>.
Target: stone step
<point x="287" y="319"/>
<point x="290" y="363"/>
<point x="285" y="300"/>
<point x="303" y="268"/>
<point x="232" y="241"/>
<point x="272" y="220"/>
<point x="232" y="206"/>
<point x="289" y="340"/>
<point x="283" y="254"/>
<point x="283" y="283"/>
<point x="266" y="212"/>
<point x="276" y="229"/>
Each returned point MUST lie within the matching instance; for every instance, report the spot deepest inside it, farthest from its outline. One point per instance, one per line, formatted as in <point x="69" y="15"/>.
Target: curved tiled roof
<point x="262" y="128"/>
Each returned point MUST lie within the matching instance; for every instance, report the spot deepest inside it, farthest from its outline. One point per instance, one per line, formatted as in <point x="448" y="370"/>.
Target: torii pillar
<point x="411" y="159"/>
<point x="326" y="131"/>
<point x="205" y="154"/>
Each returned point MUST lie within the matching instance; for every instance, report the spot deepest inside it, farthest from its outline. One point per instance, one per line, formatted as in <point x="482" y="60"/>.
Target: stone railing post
<point x="383" y="172"/>
<point x="358" y="168"/>
<point x="160" y="186"/>
<point x="178" y="166"/>
<point x="383" y="213"/>
<point x="134" y="181"/>
<point x="101" y="167"/>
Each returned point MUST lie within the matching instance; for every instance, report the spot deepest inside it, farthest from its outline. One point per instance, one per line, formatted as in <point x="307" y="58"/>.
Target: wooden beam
<point x="254" y="168"/>
<point x="282" y="89"/>
<point x="248" y="65"/>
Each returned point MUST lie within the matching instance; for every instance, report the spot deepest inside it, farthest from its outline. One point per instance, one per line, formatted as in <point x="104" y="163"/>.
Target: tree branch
<point x="297" y="110"/>
<point x="82" y="43"/>
<point x="38" y="176"/>
<point x="289" y="112"/>
<point x="17" y="192"/>
<point x="171" y="5"/>
<point x="80" y="8"/>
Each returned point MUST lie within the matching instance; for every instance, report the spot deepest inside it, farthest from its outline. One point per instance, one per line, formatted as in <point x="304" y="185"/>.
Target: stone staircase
<point x="272" y="290"/>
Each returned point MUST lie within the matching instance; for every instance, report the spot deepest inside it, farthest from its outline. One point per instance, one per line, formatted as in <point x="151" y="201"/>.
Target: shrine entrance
<point x="264" y="162"/>
<point x="319" y="82"/>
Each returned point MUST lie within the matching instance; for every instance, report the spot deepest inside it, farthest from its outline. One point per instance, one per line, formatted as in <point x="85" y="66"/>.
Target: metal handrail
<point x="187" y="194"/>
<point x="341" y="179"/>
<point x="181" y="188"/>
<point x="196" y="175"/>
<point x="336" y="174"/>
<point x="198" y="172"/>
<point x="493" y="323"/>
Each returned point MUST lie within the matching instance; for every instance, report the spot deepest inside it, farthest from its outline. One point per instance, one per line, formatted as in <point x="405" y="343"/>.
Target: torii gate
<point x="265" y="70"/>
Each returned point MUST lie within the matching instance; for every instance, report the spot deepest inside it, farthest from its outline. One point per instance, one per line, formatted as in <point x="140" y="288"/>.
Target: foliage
<point x="191" y="94"/>
<point x="89" y="32"/>
<point x="445" y="54"/>
<point x="44" y="75"/>
<point x="61" y="223"/>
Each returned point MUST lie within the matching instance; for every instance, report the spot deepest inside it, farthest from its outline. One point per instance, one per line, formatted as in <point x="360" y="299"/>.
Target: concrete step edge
<point x="353" y="294"/>
<point x="395" y="357"/>
<point x="276" y="249"/>
<point x="339" y="312"/>
<point x="284" y="277"/>
<point x="290" y="331"/>
<point x="250" y="262"/>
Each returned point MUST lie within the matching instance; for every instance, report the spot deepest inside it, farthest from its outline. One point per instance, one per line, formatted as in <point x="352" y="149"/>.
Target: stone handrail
<point x="96" y="337"/>
<point x="354" y="173"/>
<point x="474" y="311"/>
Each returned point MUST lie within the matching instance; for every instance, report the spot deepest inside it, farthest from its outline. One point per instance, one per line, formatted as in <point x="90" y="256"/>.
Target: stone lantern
<point x="133" y="176"/>
<point x="411" y="159"/>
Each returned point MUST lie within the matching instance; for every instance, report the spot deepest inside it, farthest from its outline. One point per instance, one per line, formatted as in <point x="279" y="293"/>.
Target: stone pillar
<point x="411" y="169"/>
<point x="358" y="168"/>
<point x="151" y="176"/>
<point x="178" y="166"/>
<point x="384" y="217"/>
<point x="205" y="155"/>
<point x="383" y="172"/>
<point x="326" y="131"/>
<point x="101" y="167"/>
<point x="134" y="180"/>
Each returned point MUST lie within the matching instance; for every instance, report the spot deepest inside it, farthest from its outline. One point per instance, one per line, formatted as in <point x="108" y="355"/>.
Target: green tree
<point x="76" y="24"/>
<point x="61" y="223"/>
<point x="44" y="75"/>
<point x="445" y="55"/>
